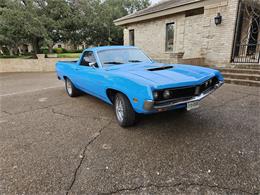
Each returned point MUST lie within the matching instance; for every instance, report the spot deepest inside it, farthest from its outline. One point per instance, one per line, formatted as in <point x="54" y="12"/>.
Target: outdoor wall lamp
<point x="218" y="19"/>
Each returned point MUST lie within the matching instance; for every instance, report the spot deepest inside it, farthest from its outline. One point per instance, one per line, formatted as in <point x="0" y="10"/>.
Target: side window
<point x="132" y="37"/>
<point x="88" y="57"/>
<point x="169" y="37"/>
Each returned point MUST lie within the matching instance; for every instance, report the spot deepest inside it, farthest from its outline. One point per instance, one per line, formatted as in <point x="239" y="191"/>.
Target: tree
<point x="10" y="35"/>
<point x="21" y="24"/>
<point x="99" y="25"/>
<point x="46" y="22"/>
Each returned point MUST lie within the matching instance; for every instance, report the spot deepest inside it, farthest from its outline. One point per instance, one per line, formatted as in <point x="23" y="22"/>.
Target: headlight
<point x="206" y="84"/>
<point x="161" y="95"/>
<point x="155" y="95"/>
<point x="166" y="94"/>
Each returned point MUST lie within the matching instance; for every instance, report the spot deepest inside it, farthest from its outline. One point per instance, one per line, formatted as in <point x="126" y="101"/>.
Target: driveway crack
<point x="62" y="114"/>
<point x="8" y="113"/>
<point x="142" y="187"/>
<point x="32" y="110"/>
<point x="72" y="116"/>
<point x="130" y="189"/>
<point x="83" y="155"/>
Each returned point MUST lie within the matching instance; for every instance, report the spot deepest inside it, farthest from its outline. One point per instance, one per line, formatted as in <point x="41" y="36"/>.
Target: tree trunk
<point x="35" y="45"/>
<point x="16" y="50"/>
<point x="10" y="50"/>
<point x="50" y="48"/>
<point x="75" y="46"/>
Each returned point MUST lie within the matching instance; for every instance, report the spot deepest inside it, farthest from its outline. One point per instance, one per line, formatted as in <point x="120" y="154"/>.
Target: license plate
<point x="193" y="105"/>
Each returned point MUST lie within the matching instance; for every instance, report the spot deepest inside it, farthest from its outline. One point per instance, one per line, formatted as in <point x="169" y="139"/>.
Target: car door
<point x="90" y="75"/>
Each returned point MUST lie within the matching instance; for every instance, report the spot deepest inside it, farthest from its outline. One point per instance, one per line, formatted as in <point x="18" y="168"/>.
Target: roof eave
<point x="165" y="12"/>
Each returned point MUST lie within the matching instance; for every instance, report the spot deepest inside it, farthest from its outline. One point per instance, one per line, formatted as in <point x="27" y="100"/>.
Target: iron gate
<point x="246" y="47"/>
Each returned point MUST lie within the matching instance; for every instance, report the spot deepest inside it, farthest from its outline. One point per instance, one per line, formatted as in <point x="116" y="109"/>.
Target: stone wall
<point x="218" y="40"/>
<point x="30" y="65"/>
<point x="196" y="36"/>
<point x="150" y="36"/>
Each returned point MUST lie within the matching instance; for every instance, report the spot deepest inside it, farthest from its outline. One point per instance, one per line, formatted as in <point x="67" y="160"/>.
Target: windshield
<point x="121" y="56"/>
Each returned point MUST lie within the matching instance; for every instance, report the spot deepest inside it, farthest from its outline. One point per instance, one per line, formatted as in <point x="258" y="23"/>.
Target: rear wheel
<point x="71" y="90"/>
<point x="124" y="111"/>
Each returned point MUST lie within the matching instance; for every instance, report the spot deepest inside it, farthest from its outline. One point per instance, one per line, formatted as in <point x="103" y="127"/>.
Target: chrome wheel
<point x="119" y="110"/>
<point x="69" y="86"/>
<point x="124" y="111"/>
<point x="71" y="90"/>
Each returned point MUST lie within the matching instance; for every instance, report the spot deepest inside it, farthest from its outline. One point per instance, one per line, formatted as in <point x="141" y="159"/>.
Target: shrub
<point x="44" y="50"/>
<point x="5" y="51"/>
<point x="79" y="51"/>
<point x="72" y="51"/>
<point x="69" y="55"/>
<point x="58" y="50"/>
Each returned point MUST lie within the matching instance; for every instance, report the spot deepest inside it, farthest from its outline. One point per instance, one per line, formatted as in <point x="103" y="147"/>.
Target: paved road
<point x="50" y="143"/>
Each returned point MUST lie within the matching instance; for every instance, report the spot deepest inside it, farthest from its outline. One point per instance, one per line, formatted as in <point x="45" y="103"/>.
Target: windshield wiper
<point x="134" y="61"/>
<point x="113" y="63"/>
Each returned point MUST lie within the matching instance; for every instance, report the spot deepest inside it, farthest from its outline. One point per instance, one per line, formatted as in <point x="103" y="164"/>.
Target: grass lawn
<point x="68" y="55"/>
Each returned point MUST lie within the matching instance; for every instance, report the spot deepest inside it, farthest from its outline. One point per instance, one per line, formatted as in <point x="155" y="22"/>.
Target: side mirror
<point x="93" y="64"/>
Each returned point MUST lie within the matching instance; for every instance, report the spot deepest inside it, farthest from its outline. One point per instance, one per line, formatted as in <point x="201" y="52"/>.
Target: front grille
<point x="188" y="92"/>
<point x="207" y="85"/>
<point x="183" y="92"/>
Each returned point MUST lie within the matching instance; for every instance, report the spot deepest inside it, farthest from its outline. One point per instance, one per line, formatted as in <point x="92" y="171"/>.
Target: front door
<point x="89" y="74"/>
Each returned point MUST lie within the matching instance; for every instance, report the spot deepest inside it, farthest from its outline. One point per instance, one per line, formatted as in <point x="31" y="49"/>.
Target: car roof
<point x="102" y="48"/>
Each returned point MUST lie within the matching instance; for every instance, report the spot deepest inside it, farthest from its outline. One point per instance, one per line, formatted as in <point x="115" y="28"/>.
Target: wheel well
<point x="111" y="94"/>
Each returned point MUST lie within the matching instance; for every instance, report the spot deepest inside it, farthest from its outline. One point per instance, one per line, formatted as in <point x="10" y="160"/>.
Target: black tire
<point x="71" y="90"/>
<point x="128" y="115"/>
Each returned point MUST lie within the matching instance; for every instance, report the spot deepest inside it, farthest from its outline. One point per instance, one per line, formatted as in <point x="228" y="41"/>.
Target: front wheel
<point x="124" y="111"/>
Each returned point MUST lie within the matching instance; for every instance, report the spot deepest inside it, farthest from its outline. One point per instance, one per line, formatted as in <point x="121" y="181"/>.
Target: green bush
<point x="67" y="51"/>
<point x="69" y="55"/>
<point x="5" y="51"/>
<point x="72" y="51"/>
<point x="44" y="50"/>
<point x="58" y="50"/>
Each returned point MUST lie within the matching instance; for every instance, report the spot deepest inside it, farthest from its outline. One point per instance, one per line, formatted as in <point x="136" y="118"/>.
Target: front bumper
<point x="150" y="105"/>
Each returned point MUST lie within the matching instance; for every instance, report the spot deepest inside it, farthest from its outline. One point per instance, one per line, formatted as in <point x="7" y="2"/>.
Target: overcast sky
<point x="154" y="1"/>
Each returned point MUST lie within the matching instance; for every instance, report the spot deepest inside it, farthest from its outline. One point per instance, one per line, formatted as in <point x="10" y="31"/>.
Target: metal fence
<point x="248" y="53"/>
<point x="246" y="48"/>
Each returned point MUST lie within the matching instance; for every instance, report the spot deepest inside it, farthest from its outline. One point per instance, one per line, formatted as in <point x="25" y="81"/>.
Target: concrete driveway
<point x="50" y="143"/>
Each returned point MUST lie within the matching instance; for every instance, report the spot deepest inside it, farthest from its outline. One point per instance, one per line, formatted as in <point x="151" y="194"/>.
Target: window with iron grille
<point x="169" y="36"/>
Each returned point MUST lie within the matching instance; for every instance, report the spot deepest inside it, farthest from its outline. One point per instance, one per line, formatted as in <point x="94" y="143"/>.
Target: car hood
<point x="165" y="75"/>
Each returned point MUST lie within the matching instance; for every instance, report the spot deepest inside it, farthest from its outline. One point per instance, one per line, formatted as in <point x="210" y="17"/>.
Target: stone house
<point x="223" y="33"/>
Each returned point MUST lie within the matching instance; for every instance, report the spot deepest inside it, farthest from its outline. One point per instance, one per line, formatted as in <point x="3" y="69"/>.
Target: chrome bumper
<point x="149" y="105"/>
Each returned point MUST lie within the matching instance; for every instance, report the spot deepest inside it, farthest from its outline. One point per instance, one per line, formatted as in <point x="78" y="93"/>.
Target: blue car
<point x="126" y="78"/>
